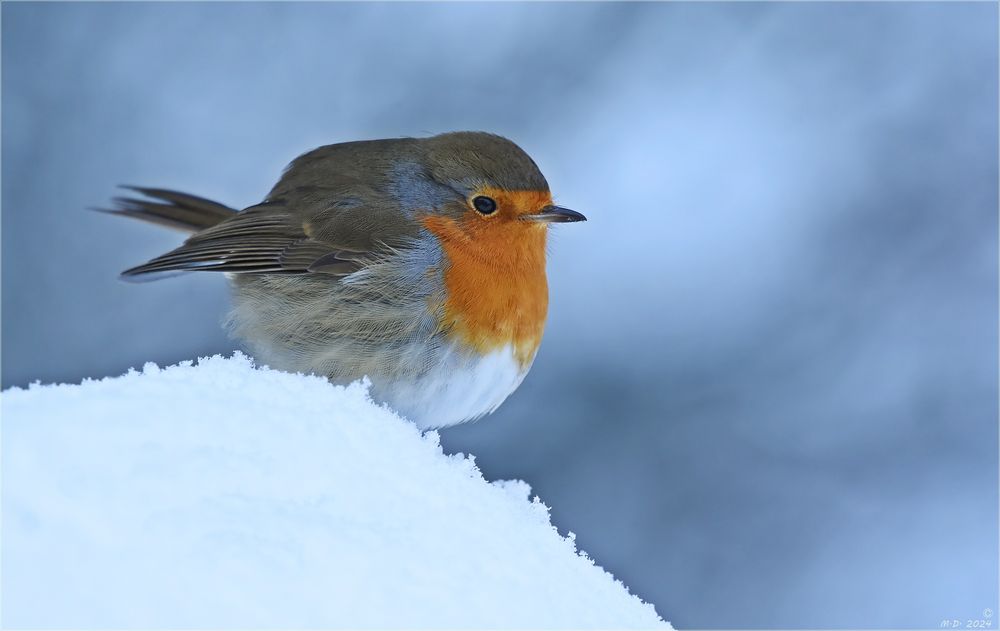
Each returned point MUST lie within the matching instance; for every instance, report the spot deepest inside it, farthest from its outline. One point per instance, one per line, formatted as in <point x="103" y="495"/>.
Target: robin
<point x="417" y="262"/>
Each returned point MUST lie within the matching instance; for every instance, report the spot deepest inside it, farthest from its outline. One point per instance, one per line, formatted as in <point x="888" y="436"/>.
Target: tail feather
<point x="172" y="209"/>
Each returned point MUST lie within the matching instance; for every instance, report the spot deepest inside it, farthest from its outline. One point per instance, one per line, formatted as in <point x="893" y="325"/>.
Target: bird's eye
<point x="485" y="205"/>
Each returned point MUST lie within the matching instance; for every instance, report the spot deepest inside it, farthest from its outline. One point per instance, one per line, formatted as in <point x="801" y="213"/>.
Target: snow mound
<point x="220" y="495"/>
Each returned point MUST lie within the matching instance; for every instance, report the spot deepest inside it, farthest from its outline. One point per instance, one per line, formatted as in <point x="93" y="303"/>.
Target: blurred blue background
<point x="767" y="395"/>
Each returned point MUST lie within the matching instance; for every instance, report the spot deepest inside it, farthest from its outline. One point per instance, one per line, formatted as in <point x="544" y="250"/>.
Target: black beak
<point x="555" y="214"/>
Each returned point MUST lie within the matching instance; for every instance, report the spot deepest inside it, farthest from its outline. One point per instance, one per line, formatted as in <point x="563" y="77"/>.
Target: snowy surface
<point x="220" y="495"/>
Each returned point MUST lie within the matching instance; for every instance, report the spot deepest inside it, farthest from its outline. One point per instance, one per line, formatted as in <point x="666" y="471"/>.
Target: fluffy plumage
<point x="369" y="258"/>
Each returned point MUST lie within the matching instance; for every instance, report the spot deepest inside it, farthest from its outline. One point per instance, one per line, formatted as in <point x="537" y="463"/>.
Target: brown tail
<point x="171" y="209"/>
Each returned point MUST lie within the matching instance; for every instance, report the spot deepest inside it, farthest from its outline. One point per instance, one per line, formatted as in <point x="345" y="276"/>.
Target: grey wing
<point x="333" y="208"/>
<point x="263" y="239"/>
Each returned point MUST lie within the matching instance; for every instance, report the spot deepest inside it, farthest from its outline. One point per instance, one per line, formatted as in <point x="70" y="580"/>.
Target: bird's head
<point x="499" y="197"/>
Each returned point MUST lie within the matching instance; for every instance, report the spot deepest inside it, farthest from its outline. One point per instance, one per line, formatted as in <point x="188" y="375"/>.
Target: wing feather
<point x="260" y="239"/>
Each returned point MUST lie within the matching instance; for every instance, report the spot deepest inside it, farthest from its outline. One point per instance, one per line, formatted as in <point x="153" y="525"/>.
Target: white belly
<point x="457" y="389"/>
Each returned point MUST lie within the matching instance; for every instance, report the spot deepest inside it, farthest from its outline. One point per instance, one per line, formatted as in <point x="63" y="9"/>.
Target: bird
<point x="417" y="263"/>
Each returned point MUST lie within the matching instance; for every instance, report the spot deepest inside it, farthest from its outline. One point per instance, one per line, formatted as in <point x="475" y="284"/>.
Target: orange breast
<point x="494" y="276"/>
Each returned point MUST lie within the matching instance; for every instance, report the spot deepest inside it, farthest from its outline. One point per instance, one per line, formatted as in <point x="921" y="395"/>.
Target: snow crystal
<point x="220" y="495"/>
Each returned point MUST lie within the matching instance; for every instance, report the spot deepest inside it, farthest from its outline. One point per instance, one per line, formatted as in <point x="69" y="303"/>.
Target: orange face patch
<point x="513" y="204"/>
<point x="497" y="293"/>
